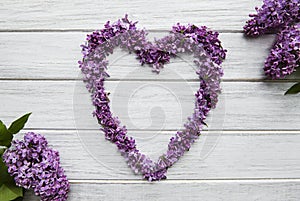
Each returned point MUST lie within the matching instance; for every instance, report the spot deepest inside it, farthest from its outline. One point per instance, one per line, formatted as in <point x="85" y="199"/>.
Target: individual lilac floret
<point x="35" y="165"/>
<point x="274" y="14"/>
<point x="284" y="57"/>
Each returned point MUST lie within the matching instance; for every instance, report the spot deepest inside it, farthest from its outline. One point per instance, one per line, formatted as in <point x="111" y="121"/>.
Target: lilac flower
<point x="205" y="38"/>
<point x="35" y="165"/>
<point x="283" y="15"/>
<point x="101" y="43"/>
<point x="208" y="54"/>
<point x="156" y="176"/>
<point x="274" y="14"/>
<point x="284" y="57"/>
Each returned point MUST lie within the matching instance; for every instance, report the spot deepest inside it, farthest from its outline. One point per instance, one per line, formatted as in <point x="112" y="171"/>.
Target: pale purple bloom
<point x="284" y="57"/>
<point x="36" y="166"/>
<point x="282" y="16"/>
<point x="274" y="14"/>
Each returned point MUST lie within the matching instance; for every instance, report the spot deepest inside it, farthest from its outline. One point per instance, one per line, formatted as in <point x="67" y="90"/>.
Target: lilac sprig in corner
<point x="282" y="16"/>
<point x="274" y="14"/>
<point x="34" y="165"/>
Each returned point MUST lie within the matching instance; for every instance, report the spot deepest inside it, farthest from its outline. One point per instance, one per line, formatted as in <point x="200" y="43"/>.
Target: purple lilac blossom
<point x="283" y="16"/>
<point x="35" y="165"/>
<point x="208" y="54"/>
<point x="204" y="37"/>
<point x="274" y="14"/>
<point x="284" y="57"/>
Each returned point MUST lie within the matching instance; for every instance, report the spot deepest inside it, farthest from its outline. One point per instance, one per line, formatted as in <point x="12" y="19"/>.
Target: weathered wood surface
<point x="228" y="15"/>
<point x="186" y="190"/>
<point x="248" y="152"/>
<point x="57" y="58"/>
<point x="241" y="105"/>
<point x="216" y="155"/>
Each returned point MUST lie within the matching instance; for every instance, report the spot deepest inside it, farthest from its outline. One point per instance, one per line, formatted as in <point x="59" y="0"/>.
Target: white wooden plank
<point x="243" y="105"/>
<point x="216" y="155"/>
<point x="91" y="14"/>
<point x="55" y="56"/>
<point x="190" y="191"/>
<point x="229" y="165"/>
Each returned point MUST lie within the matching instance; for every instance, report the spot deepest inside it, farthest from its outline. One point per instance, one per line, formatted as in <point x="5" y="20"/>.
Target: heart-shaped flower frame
<point x="208" y="54"/>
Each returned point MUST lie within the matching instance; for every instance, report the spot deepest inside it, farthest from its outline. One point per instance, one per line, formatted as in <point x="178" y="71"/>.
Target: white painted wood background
<point x="254" y="132"/>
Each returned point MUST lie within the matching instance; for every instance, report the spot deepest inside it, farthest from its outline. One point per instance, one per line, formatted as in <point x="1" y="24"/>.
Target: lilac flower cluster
<point x="207" y="38"/>
<point x="274" y="14"/>
<point x="208" y="54"/>
<point x="284" y="16"/>
<point x="206" y="49"/>
<point x="284" y="57"/>
<point x="34" y="165"/>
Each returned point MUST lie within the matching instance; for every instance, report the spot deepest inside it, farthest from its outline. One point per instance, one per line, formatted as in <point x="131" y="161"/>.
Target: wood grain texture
<point x="65" y="15"/>
<point x="243" y="105"/>
<point x="192" y="191"/>
<point x="215" y="155"/>
<point x="57" y="56"/>
<point x="250" y="151"/>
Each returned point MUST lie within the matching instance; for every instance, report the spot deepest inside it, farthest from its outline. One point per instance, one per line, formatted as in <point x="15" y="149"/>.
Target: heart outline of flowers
<point x="208" y="54"/>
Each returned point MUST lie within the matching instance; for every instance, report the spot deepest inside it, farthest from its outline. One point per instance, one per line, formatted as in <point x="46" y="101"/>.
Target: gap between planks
<point x="225" y="132"/>
<point x="152" y="80"/>
<point x="188" y="181"/>
<point x="91" y="30"/>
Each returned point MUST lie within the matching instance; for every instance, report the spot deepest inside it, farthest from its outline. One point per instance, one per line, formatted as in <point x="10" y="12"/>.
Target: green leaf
<point x="4" y="175"/>
<point x="5" y="135"/>
<point x="18" y="124"/>
<point x="8" y="188"/>
<point x="294" y="89"/>
<point x="10" y="192"/>
<point x="2" y="150"/>
<point x="3" y="128"/>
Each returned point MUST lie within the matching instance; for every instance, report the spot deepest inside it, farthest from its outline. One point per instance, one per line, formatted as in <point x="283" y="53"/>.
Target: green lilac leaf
<point x="294" y="89"/>
<point x="8" y="188"/>
<point x="4" y="175"/>
<point x="3" y="129"/>
<point x="5" y="135"/>
<point x="10" y="192"/>
<point x="2" y="150"/>
<point x="6" y="140"/>
<point x="18" y="124"/>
